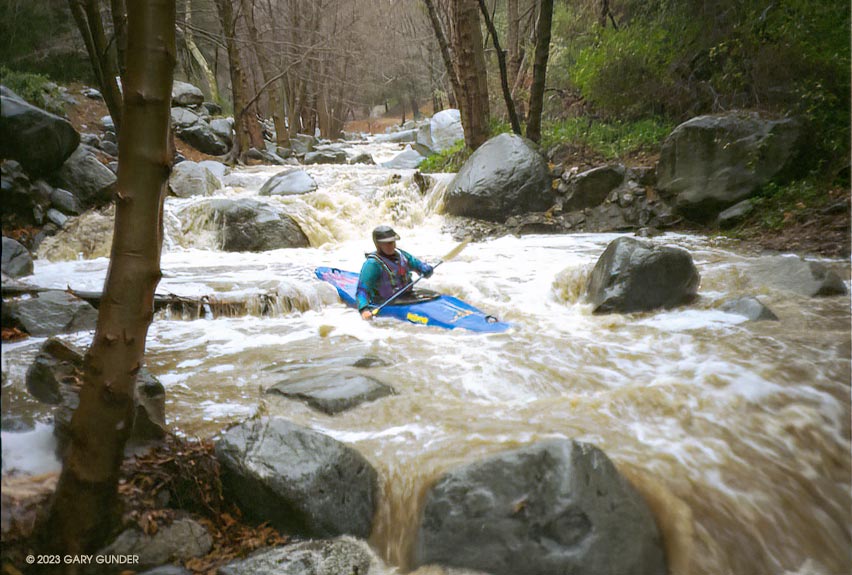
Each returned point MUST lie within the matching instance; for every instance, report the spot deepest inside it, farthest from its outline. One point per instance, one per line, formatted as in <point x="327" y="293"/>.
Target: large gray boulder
<point x="247" y="225"/>
<point x="202" y="137"/>
<point x="50" y="313"/>
<point x="633" y="275"/>
<point x="16" y="259"/>
<point x="750" y="308"/>
<point x="341" y="556"/>
<point x="184" y="94"/>
<point x="191" y="179"/>
<point x="292" y="182"/>
<point x="82" y="174"/>
<point x="590" y="188"/>
<point x="795" y="274"/>
<point x="505" y="176"/>
<point x="712" y="162"/>
<point x="183" y="118"/>
<point x="333" y="393"/>
<point x="39" y="140"/>
<point x="445" y="129"/>
<point x="224" y="128"/>
<point x="408" y="159"/>
<point x="397" y="137"/>
<point x="552" y="508"/>
<point x="301" y="481"/>
<point x="325" y="156"/>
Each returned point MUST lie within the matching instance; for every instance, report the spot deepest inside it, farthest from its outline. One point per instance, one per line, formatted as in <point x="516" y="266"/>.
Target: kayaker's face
<point x="387" y="248"/>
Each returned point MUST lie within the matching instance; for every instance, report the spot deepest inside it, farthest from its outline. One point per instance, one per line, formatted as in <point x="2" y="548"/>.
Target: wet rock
<point x="362" y="158"/>
<point x="633" y="275"/>
<point x="39" y="140"/>
<point x="218" y="169"/>
<point x="299" y="480"/>
<point x="328" y="156"/>
<point x="82" y="174"/>
<point x="333" y="394"/>
<point x="247" y="225"/>
<point x="712" y="162"/>
<point x="191" y="179"/>
<point x="16" y="260"/>
<point x="342" y="556"/>
<point x="557" y="506"/>
<point x="749" y="307"/>
<point x="590" y="188"/>
<point x="50" y="313"/>
<point x="202" y="137"/>
<point x="794" y="273"/>
<point x="735" y="214"/>
<point x="408" y="159"/>
<point x="180" y="541"/>
<point x="289" y="183"/>
<point x="445" y="129"/>
<point x="397" y="137"/>
<point x="503" y="177"/>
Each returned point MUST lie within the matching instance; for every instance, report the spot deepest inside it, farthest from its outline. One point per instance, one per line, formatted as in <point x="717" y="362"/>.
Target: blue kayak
<point x="436" y="310"/>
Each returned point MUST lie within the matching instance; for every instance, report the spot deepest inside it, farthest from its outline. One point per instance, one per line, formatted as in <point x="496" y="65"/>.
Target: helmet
<point x="384" y="234"/>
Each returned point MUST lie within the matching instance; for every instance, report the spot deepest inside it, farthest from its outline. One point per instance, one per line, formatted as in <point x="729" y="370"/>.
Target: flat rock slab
<point x="333" y="394"/>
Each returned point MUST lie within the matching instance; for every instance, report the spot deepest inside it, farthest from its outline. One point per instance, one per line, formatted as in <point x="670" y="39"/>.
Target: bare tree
<point x="87" y="16"/>
<point x="501" y="62"/>
<point x="85" y="507"/>
<point x="542" y="52"/>
<point x="469" y="61"/>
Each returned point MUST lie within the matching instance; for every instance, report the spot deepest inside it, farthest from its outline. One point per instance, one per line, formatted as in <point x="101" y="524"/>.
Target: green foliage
<point x="36" y="89"/>
<point x="612" y="140"/>
<point x="776" y="202"/>
<point x="450" y="160"/>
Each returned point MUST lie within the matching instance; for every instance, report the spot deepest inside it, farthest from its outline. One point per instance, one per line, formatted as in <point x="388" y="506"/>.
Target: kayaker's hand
<point x="366" y="314"/>
<point x="427" y="271"/>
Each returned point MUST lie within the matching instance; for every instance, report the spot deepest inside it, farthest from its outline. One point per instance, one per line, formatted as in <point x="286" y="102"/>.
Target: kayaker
<point x="386" y="271"/>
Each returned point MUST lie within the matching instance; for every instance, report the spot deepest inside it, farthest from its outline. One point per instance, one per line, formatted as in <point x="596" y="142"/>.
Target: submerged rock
<point x="335" y="393"/>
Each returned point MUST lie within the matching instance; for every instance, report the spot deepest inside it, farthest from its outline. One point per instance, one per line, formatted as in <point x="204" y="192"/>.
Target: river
<point x="737" y="433"/>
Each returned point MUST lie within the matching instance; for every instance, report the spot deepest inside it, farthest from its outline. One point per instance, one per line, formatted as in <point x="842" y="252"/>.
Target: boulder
<point x="749" y="307"/>
<point x="65" y="202"/>
<point x="712" y="162"/>
<point x="218" y="169"/>
<point x="212" y="108"/>
<point x="39" y="140"/>
<point x="333" y="393"/>
<point x="49" y="313"/>
<point x="445" y="129"/>
<point x="505" y="176"/>
<point x="16" y="260"/>
<point x="82" y="174"/>
<point x="183" y="118"/>
<point x="730" y="217"/>
<point x="247" y="225"/>
<point x="224" y="128"/>
<point x="341" y="556"/>
<point x="289" y="183"/>
<point x="554" y="507"/>
<point x="299" y="480"/>
<point x="202" y="137"/>
<point x="190" y="179"/>
<point x="634" y="275"/>
<point x="590" y="188"/>
<point x="794" y="273"/>
<point x="397" y="137"/>
<point x="301" y="144"/>
<point x="325" y="157"/>
<point x="408" y="159"/>
<point x="362" y="158"/>
<point x="184" y="94"/>
<point x="179" y="542"/>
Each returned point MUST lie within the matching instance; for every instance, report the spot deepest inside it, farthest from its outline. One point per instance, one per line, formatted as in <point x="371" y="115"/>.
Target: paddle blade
<point x="456" y="250"/>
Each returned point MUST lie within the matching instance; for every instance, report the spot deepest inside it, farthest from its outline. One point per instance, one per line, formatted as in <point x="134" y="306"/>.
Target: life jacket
<point x="396" y="274"/>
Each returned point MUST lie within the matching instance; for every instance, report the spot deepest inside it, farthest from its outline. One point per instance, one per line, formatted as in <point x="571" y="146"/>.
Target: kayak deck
<point x="441" y="311"/>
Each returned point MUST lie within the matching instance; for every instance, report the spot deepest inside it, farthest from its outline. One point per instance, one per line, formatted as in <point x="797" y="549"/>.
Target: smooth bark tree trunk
<point x="119" y="27"/>
<point x="542" y="52"/>
<point x="199" y="58"/>
<point x="470" y="63"/>
<point x="501" y="62"/>
<point x="86" y="505"/>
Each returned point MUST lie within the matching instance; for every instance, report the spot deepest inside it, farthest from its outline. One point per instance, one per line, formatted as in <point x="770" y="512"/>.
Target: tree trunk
<point x="501" y="62"/>
<point x="514" y="40"/>
<point x="455" y="86"/>
<point x="86" y="505"/>
<point x="199" y="58"/>
<point x="542" y="52"/>
<point x="119" y="26"/>
<point x="87" y="16"/>
<point x="470" y="63"/>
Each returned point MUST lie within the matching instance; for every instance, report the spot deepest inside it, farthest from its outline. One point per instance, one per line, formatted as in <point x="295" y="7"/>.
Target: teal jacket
<point x="381" y="277"/>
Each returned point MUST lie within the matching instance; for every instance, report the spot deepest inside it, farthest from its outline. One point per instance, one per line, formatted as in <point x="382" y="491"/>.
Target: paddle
<point x="450" y="255"/>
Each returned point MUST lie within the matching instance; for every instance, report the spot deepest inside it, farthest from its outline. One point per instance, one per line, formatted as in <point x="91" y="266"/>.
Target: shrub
<point x="36" y="89"/>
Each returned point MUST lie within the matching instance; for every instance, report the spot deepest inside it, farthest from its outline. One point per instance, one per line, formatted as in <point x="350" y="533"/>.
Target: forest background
<point x="620" y="74"/>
